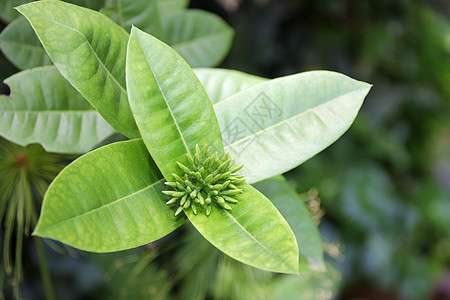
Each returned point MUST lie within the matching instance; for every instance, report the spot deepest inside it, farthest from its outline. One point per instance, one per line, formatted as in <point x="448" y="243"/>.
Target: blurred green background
<point x="384" y="187"/>
<point x="381" y="193"/>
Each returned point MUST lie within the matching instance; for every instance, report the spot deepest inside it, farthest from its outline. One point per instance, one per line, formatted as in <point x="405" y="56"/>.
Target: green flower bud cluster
<point x="206" y="180"/>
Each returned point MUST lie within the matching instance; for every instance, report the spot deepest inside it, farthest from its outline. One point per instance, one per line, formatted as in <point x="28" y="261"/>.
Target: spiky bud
<point x="204" y="180"/>
<point x="183" y="200"/>
<point x="235" y="169"/>
<point x="173" y="200"/>
<point x="190" y="159"/>
<point x="179" y="209"/>
<point x="209" y="178"/>
<point x="183" y="168"/>
<point x="171" y="184"/>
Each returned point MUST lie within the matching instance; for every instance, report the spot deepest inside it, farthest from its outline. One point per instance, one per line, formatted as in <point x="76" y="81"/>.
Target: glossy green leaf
<point x="108" y="200"/>
<point x="283" y="122"/>
<point x="203" y="39"/>
<point x="221" y="83"/>
<point x="171" y="108"/>
<point x="168" y="7"/>
<point x="21" y="46"/>
<point x="294" y="210"/>
<point x="143" y="14"/>
<point x="254" y="232"/>
<point x="44" y="108"/>
<point x="89" y="50"/>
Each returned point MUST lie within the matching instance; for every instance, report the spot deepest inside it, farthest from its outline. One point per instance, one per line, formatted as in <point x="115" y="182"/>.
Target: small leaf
<point x="169" y="104"/>
<point x="221" y="83"/>
<point x="254" y="233"/>
<point x="203" y="39"/>
<point x="108" y="200"/>
<point x="293" y="209"/>
<point x="21" y="46"/>
<point x="169" y="7"/>
<point x="283" y="122"/>
<point x="44" y="108"/>
<point x="89" y="50"/>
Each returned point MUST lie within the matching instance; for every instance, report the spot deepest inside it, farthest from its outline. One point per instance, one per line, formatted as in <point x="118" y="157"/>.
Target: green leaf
<point x="292" y="207"/>
<point x="221" y="83"/>
<point x="203" y="39"/>
<point x="276" y="125"/>
<point x="171" y="108"/>
<point x="92" y="4"/>
<point x="7" y="12"/>
<point x="312" y="286"/>
<point x="168" y="7"/>
<point x="21" y="46"/>
<point x="254" y="232"/>
<point x="44" y="108"/>
<point x="143" y="14"/>
<point x="108" y="200"/>
<point x="89" y="50"/>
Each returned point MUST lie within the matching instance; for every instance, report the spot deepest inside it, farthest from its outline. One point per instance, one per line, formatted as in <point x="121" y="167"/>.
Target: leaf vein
<point x="165" y="100"/>
<point x="105" y="205"/>
<point x="92" y="49"/>
<point x="259" y="132"/>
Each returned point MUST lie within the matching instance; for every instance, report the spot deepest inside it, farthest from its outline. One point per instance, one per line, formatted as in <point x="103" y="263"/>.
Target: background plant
<point x="166" y="105"/>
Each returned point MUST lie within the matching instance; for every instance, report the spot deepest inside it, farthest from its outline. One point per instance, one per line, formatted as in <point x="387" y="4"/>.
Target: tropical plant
<point x="112" y="198"/>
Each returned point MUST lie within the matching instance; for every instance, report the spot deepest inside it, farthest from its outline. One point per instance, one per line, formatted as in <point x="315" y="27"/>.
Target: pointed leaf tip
<point x="71" y="205"/>
<point x="152" y="95"/>
<point x="268" y="244"/>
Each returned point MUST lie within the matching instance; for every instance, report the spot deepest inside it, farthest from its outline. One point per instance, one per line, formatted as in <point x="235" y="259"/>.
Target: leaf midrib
<point x="71" y="219"/>
<point x="285" y="120"/>
<point x="253" y="238"/>
<point x="92" y="50"/>
<point x="165" y="99"/>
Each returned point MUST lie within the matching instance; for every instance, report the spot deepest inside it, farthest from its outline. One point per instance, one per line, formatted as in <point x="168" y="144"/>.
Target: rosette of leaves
<point x="112" y="198"/>
<point x="208" y="179"/>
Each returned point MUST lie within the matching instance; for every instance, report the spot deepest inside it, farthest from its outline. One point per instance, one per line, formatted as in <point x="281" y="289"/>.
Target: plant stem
<point x="45" y="273"/>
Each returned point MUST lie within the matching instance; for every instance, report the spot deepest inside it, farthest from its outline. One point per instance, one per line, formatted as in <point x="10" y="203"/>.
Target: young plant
<point x="114" y="198"/>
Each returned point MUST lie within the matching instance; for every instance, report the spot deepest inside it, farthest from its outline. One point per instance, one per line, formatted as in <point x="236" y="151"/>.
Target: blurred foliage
<point x="384" y="188"/>
<point x="186" y="266"/>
